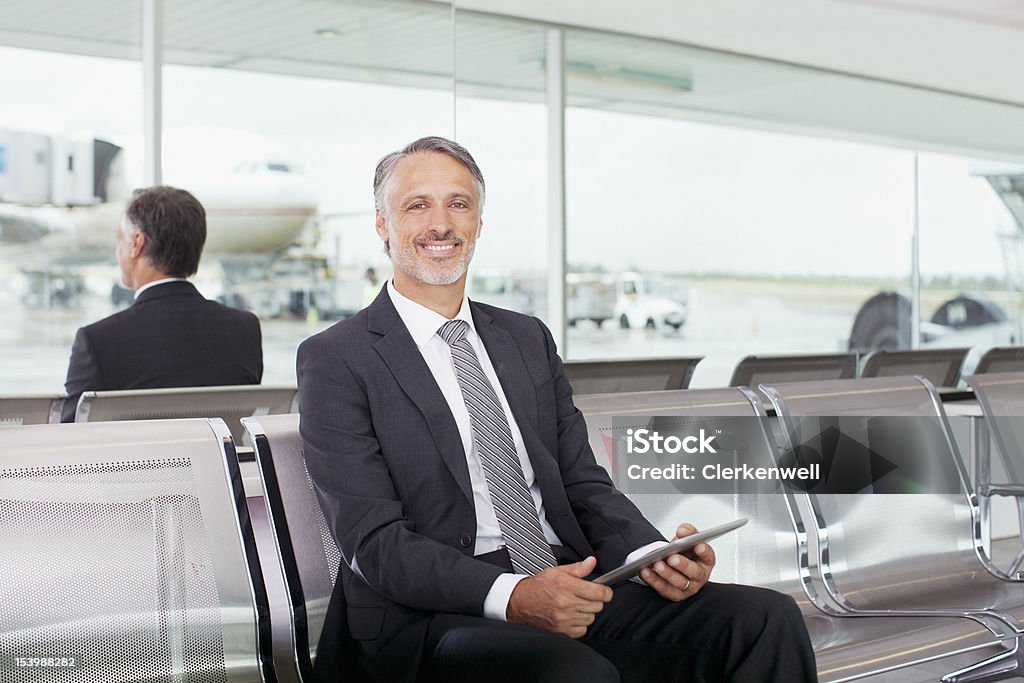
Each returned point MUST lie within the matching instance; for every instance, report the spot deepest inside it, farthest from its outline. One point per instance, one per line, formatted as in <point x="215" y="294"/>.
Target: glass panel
<point x="971" y="254"/>
<point x="623" y="73"/>
<point x="70" y="149"/>
<point x="696" y="239"/>
<point x="501" y="119"/>
<point x="278" y="129"/>
<point x="684" y="206"/>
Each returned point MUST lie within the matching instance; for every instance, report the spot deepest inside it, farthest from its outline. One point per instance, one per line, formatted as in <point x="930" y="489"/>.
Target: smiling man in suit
<point x="171" y="336"/>
<point x="456" y="476"/>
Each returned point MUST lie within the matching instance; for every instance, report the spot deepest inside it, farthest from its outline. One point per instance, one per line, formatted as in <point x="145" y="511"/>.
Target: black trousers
<point x="726" y="632"/>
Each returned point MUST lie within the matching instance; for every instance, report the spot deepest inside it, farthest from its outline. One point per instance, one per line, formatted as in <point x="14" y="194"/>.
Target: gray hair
<point x="382" y="178"/>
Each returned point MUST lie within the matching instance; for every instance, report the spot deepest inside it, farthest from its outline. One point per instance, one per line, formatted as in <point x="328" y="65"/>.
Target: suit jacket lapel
<point x="399" y="352"/>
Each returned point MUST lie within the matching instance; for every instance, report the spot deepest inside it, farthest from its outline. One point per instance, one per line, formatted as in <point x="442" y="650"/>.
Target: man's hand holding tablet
<point x="673" y="575"/>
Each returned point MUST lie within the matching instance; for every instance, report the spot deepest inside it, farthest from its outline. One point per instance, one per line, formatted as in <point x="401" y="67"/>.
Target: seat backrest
<point x="753" y="371"/>
<point x="627" y="375"/>
<point x="309" y="557"/>
<point x="127" y="546"/>
<point x="30" y="409"/>
<point x="1001" y="396"/>
<point x="941" y="367"/>
<point x="905" y="540"/>
<point x="229" y="403"/>
<point x="1001" y="359"/>
<point x="768" y="550"/>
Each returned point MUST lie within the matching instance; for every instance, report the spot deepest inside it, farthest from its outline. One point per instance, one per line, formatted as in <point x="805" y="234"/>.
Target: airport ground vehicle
<point x="590" y="296"/>
<point x="966" y="320"/>
<point x="650" y="302"/>
<point x="632" y="299"/>
<point x="516" y="290"/>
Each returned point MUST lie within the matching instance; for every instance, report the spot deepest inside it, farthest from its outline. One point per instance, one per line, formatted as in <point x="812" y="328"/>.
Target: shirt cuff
<point x="639" y="552"/>
<point x="496" y="602"/>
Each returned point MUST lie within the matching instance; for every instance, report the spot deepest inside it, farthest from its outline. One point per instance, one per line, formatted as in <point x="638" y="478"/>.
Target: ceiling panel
<point x="999" y="12"/>
<point x="409" y="42"/>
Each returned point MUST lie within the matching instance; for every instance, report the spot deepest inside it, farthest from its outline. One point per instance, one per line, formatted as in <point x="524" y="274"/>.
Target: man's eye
<point x="418" y="205"/>
<point x="460" y="205"/>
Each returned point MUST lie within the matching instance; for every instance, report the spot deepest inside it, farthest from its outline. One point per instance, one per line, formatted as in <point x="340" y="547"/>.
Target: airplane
<point x="61" y="200"/>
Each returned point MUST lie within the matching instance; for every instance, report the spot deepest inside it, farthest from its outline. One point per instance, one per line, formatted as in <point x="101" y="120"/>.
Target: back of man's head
<point x="174" y="223"/>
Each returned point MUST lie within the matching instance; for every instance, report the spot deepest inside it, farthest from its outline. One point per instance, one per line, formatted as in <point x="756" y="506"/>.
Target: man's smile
<point x="438" y="248"/>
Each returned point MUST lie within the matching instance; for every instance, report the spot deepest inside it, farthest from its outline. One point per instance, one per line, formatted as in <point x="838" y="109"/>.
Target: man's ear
<point x="382" y="225"/>
<point x="138" y="243"/>
<point x="480" y="226"/>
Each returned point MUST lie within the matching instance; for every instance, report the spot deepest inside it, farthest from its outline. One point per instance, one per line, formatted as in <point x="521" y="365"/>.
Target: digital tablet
<point x="631" y="569"/>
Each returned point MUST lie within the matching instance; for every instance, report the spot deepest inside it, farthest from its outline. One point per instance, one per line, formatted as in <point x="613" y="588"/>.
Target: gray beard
<point x="419" y="270"/>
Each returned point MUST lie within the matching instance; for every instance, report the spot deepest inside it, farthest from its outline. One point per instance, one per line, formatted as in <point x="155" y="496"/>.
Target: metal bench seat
<point x="127" y="548"/>
<point x="630" y="374"/>
<point x="886" y="552"/>
<point x="30" y="409"/>
<point x="940" y="366"/>
<point x="1001" y="396"/>
<point x="772" y="550"/>
<point x="308" y="556"/>
<point x="753" y="371"/>
<point x="230" y="403"/>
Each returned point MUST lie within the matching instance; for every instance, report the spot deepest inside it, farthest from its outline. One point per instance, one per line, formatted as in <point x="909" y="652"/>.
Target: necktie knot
<point x="453" y="331"/>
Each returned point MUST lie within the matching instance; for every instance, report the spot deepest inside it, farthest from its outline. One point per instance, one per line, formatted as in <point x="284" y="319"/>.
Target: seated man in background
<point x="171" y="336"/>
<point x="457" y="478"/>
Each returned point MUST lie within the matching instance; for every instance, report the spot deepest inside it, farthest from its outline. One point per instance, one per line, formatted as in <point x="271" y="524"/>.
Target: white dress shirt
<point x="154" y="283"/>
<point x="423" y="325"/>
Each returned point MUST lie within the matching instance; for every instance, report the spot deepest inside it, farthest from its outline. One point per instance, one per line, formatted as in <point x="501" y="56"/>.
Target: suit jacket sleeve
<point x="613" y="525"/>
<point x="358" y="497"/>
<point x="83" y="374"/>
<point x="256" y="335"/>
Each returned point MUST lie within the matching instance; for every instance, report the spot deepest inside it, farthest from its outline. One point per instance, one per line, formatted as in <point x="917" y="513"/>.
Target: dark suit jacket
<point x="388" y="465"/>
<point x="171" y="336"/>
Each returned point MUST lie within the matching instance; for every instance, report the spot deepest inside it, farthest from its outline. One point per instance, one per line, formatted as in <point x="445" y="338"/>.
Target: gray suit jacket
<point x="388" y="466"/>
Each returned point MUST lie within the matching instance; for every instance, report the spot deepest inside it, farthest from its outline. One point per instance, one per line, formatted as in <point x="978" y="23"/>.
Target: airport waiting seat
<point x="308" y="555"/>
<point x="754" y="371"/>
<point x="772" y="549"/>
<point x="230" y="403"/>
<point x="30" y="409"/>
<point x="941" y="367"/>
<point x="906" y="544"/>
<point x="1001" y="359"/>
<point x="627" y="375"/>
<point x="126" y="549"/>
<point x="737" y="412"/>
<point x="1001" y="396"/>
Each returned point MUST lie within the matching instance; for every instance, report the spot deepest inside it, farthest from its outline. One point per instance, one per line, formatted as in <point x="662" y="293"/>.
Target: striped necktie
<point x="503" y="472"/>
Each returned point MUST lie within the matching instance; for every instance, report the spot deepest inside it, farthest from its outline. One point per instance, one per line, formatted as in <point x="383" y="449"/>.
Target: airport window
<point x="775" y="203"/>
<point x="57" y="217"/>
<point x="351" y="82"/>
<point x="717" y="205"/>
<point x="729" y="242"/>
<point x="971" y="251"/>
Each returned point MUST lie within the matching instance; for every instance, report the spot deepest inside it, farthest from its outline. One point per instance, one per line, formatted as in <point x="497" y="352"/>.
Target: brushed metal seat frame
<point x="900" y="396"/>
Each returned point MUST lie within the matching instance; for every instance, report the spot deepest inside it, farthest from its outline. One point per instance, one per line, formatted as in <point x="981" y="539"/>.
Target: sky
<point x="642" y="192"/>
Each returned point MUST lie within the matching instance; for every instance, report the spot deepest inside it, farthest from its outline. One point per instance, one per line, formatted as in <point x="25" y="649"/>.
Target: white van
<point x="652" y="302"/>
